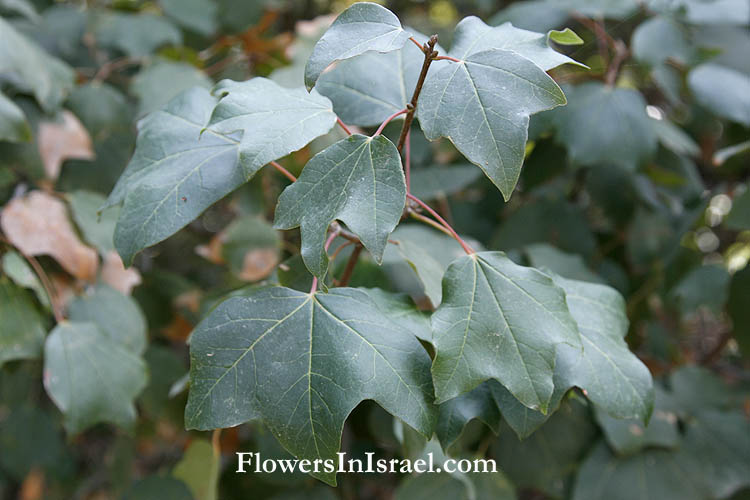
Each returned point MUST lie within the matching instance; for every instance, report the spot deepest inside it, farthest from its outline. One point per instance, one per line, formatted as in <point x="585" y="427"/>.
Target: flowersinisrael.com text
<point x="253" y="462"/>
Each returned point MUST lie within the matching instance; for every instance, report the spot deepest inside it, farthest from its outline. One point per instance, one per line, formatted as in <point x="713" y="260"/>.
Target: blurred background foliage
<point x="644" y="188"/>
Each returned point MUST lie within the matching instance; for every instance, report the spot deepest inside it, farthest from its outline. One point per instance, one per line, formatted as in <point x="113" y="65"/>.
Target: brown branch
<point x="429" y="222"/>
<point x="351" y="263"/>
<point x="442" y="221"/>
<point x="388" y="120"/>
<point x="284" y="171"/>
<point x="415" y="42"/>
<point x="343" y="125"/>
<point x="714" y="353"/>
<point x="328" y="242"/>
<point x="613" y="69"/>
<point x="429" y="55"/>
<point x="107" y="68"/>
<point x="49" y="288"/>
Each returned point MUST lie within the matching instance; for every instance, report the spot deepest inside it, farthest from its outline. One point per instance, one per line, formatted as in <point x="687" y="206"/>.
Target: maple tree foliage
<point x="517" y="235"/>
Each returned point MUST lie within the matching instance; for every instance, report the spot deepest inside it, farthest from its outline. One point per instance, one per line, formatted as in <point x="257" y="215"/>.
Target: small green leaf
<point x="473" y="35"/>
<point x="20" y="7"/>
<point x="418" y="258"/>
<point x="199" y="469"/>
<point x="274" y="121"/>
<point x="179" y="169"/>
<point x="628" y="436"/>
<point x="706" y="286"/>
<point x="90" y="377"/>
<point x="137" y="35"/>
<point x="614" y="379"/>
<point x="545" y="459"/>
<point x="18" y="270"/>
<point x="97" y="230"/>
<point x="523" y="420"/>
<point x="22" y="327"/>
<point x="401" y="309"/>
<point x="357" y="180"/>
<point x="302" y="362"/>
<point x="565" y="37"/>
<point x="115" y="314"/>
<point x="148" y="84"/>
<point x="13" y="124"/>
<point x="739" y="216"/>
<point x="483" y="104"/>
<point x="196" y="15"/>
<point x="29" y="68"/>
<point x="362" y="27"/>
<point x="724" y="154"/>
<point x="723" y="91"/>
<point x="454" y="414"/>
<point x="501" y="321"/>
<point x="568" y="265"/>
<point x="674" y="138"/>
<point x="659" y="39"/>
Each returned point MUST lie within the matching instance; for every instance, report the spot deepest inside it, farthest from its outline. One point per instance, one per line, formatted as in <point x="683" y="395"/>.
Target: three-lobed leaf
<point x="357" y="180"/>
<point x="22" y="328"/>
<point x="367" y="89"/>
<point x="614" y="379"/>
<point x="90" y="377"/>
<point x="198" y="149"/>
<point x="501" y="321"/>
<point x="302" y="362"/>
<point x="177" y="171"/>
<point x="363" y="27"/>
<point x="482" y="104"/>
<point x="274" y="120"/>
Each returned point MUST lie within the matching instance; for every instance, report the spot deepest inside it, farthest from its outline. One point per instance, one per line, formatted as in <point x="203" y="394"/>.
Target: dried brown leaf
<point x="58" y="142"/>
<point x="38" y="224"/>
<point x="258" y="263"/>
<point x="115" y="275"/>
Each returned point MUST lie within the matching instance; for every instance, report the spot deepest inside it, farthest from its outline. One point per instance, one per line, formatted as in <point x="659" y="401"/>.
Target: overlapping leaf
<point x="13" y="124"/>
<point x="117" y="315"/>
<point x="367" y="89"/>
<point x="274" y="120"/>
<point x="195" y="151"/>
<point x="482" y="104"/>
<point x="401" y="309"/>
<point x="362" y="27"/>
<point x="613" y="377"/>
<point x="31" y="69"/>
<point x="22" y="327"/>
<point x="301" y="362"/>
<point x="455" y="413"/>
<point x="473" y="35"/>
<point x="501" y="321"/>
<point x="137" y="35"/>
<point x="90" y="377"/>
<point x="178" y="170"/>
<point x="724" y="91"/>
<point x="359" y="181"/>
